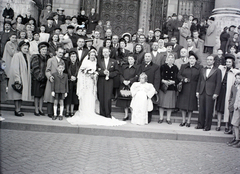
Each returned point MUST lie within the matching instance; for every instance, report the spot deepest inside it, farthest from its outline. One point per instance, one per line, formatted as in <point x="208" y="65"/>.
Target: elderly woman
<point x="168" y="92"/>
<point x="9" y="50"/>
<point x="39" y="80"/>
<point x="183" y="59"/>
<point x="228" y="79"/>
<point x="187" y="100"/>
<point x="19" y="86"/>
<point x="128" y="75"/>
<point x="141" y="103"/>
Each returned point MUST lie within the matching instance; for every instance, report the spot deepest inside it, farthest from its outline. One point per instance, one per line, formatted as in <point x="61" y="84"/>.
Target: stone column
<point x="144" y="15"/>
<point x="226" y="13"/>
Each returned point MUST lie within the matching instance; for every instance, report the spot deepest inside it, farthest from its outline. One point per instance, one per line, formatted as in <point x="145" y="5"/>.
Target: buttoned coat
<point x="187" y="99"/>
<point x="60" y="84"/>
<point x="51" y="68"/>
<point x="163" y="56"/>
<point x="21" y="72"/>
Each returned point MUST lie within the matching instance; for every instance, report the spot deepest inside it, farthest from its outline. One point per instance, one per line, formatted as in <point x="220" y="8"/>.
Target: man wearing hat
<point x="89" y="44"/>
<point x="164" y="55"/>
<point x="66" y="24"/>
<point x="61" y="16"/>
<point x="70" y="38"/>
<point x="210" y="40"/>
<point x="208" y="89"/>
<point x="49" y="26"/>
<point x="45" y="14"/>
<point x="231" y="30"/>
<point x="56" y="21"/>
<point x="157" y="34"/>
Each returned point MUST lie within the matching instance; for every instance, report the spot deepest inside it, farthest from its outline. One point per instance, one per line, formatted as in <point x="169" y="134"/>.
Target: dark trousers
<point x="50" y="108"/>
<point x="150" y="116"/>
<point x="105" y="89"/>
<point x="206" y="106"/>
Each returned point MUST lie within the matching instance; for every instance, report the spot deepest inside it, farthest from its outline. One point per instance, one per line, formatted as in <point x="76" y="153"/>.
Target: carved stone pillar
<point x="226" y="13"/>
<point x="144" y="15"/>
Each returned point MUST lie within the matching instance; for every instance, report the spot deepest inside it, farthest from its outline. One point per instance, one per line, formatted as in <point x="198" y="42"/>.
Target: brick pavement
<point x="42" y="153"/>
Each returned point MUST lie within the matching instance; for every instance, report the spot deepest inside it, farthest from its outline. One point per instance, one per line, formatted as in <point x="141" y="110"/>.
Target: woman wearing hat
<point x="38" y="67"/>
<point x="187" y="100"/>
<point x="20" y="74"/>
<point x="168" y="92"/>
<point x="228" y="79"/>
<point x="127" y="37"/>
<point x="9" y="50"/>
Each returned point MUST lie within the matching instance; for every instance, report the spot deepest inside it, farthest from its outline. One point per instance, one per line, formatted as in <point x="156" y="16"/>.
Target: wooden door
<point x="123" y="15"/>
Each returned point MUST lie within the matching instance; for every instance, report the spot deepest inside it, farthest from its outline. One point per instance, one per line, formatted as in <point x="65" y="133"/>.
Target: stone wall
<point x="19" y="7"/>
<point x="71" y="7"/>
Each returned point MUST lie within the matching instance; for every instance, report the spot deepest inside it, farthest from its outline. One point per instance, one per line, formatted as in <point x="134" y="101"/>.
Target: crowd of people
<point x="72" y="61"/>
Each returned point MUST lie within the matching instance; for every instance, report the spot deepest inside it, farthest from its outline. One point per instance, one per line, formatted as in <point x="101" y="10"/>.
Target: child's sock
<point x="61" y="110"/>
<point x="55" y="110"/>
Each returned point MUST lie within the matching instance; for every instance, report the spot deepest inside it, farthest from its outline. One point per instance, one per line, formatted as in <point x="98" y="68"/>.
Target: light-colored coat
<point x="9" y="50"/>
<point x="51" y="68"/>
<point x="20" y="72"/>
<point x="210" y="39"/>
<point x="230" y="81"/>
<point x="184" y="33"/>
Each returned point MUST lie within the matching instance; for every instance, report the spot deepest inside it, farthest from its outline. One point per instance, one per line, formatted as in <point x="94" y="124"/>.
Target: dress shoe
<point x="125" y="118"/>
<point x="54" y="117"/>
<point x="206" y="129"/>
<point x="182" y="124"/>
<point x="67" y="114"/>
<point x="188" y="124"/>
<point x="18" y="114"/>
<point x="36" y="114"/>
<point x="229" y="132"/>
<point x="234" y="143"/>
<point x="198" y="127"/>
<point x="218" y="128"/>
<point x="160" y="121"/>
<point x="41" y="113"/>
<point x="237" y="145"/>
<point x="71" y="114"/>
<point x="230" y="142"/>
<point x="60" y="117"/>
<point x="226" y="129"/>
<point x="168" y="121"/>
<point x="50" y="115"/>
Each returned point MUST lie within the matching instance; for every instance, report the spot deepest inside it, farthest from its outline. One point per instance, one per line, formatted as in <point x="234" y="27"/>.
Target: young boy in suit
<point x="59" y="90"/>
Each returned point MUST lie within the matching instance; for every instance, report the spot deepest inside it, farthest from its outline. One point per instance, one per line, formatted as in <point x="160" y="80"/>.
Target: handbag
<point x="179" y="86"/>
<point x="125" y="92"/>
<point x="164" y="88"/>
<point x="17" y="87"/>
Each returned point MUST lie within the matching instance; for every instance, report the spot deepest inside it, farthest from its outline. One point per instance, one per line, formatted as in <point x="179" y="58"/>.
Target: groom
<point x="107" y="69"/>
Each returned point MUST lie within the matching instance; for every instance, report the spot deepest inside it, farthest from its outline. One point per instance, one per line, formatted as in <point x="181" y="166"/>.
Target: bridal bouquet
<point x="90" y="72"/>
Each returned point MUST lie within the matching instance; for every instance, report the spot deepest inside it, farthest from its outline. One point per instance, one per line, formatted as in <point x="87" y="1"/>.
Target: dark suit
<point x="84" y="54"/>
<point x="177" y="48"/>
<point x="156" y="59"/>
<point x="207" y="87"/>
<point x="57" y="24"/>
<point x="153" y="73"/>
<point x="60" y="84"/>
<point x="49" y="29"/>
<point x="105" y="87"/>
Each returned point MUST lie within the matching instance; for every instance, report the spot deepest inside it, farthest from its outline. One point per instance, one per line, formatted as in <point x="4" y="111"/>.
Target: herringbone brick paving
<point x="26" y="152"/>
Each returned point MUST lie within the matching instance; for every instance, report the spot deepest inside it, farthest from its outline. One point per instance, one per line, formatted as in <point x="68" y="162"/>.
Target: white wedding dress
<point x="86" y="91"/>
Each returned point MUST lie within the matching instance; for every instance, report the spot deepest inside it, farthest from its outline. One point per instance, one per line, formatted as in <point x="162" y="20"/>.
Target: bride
<point x="87" y="92"/>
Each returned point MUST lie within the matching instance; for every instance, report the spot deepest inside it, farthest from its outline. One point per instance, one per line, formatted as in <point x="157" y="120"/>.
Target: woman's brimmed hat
<point x="191" y="53"/>
<point x="24" y="42"/>
<point x="229" y="56"/>
<point x="127" y="34"/>
<point x="42" y="45"/>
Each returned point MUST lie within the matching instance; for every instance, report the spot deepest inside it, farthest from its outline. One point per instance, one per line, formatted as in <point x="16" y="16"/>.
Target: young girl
<point x="234" y="108"/>
<point x="59" y="90"/>
<point x="141" y="103"/>
<point x="72" y="98"/>
<point x="100" y="28"/>
<point x="44" y="37"/>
